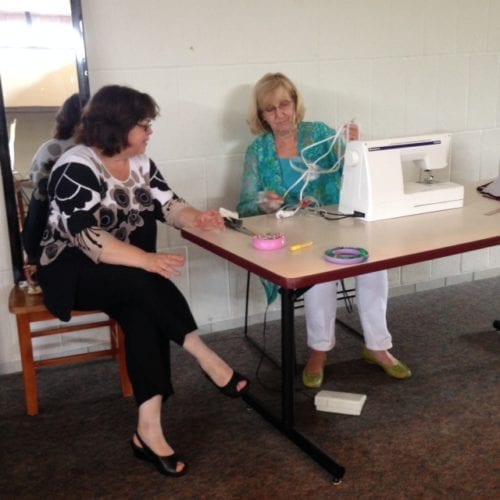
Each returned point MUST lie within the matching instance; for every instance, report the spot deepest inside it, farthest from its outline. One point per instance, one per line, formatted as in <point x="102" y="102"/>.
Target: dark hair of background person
<point x="110" y="115"/>
<point x="67" y="117"/>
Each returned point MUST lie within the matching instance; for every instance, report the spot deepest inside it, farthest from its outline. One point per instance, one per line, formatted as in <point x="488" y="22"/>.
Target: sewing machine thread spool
<point x="346" y="255"/>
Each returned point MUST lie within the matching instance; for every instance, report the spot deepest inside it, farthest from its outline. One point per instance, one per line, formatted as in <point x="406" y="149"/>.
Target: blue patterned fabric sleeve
<point x="250" y="185"/>
<point x="252" y="182"/>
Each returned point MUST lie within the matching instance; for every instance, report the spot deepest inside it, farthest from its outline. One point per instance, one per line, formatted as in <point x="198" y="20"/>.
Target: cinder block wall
<point x="399" y="67"/>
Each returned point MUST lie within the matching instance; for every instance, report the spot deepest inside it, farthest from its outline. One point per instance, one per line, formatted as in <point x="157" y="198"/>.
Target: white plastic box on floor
<point x="347" y="403"/>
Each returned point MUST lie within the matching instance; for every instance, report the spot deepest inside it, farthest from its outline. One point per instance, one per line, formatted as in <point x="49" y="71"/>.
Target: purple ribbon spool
<point x="346" y="255"/>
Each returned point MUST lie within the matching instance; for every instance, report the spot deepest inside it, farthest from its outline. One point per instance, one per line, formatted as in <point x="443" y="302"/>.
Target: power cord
<point x="261" y="359"/>
<point x="263" y="355"/>
<point x="334" y="216"/>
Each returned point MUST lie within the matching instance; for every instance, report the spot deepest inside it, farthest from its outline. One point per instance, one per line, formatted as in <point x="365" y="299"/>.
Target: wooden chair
<point x="30" y="309"/>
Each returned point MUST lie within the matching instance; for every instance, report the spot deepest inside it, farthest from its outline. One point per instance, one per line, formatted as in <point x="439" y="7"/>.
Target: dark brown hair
<point x="110" y="115"/>
<point x="67" y="117"/>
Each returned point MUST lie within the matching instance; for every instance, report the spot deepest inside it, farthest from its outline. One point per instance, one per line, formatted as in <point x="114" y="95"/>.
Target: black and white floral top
<point x="88" y="206"/>
<point x="86" y="201"/>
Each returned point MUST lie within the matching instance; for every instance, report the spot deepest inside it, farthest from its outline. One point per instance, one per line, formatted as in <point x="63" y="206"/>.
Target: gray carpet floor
<point x="436" y="435"/>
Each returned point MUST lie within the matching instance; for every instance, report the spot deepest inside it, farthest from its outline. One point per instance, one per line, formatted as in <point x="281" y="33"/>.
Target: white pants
<point x="320" y="303"/>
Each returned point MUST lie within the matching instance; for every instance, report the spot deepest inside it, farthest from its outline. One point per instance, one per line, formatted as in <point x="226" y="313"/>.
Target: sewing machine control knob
<point x="352" y="158"/>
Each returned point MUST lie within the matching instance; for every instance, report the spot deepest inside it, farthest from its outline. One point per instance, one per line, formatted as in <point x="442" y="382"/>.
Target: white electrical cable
<point x="312" y="170"/>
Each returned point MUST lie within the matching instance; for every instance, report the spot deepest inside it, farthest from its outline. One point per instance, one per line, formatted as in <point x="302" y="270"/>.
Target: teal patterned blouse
<point x="262" y="170"/>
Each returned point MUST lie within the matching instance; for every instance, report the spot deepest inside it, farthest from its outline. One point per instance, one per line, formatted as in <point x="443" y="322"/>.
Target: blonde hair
<point x="268" y="84"/>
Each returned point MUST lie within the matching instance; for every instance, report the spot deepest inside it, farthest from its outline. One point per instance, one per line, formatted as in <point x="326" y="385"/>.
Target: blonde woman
<point x="276" y="117"/>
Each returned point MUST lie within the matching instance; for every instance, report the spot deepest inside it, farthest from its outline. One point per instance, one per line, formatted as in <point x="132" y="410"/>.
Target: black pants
<point x="151" y="311"/>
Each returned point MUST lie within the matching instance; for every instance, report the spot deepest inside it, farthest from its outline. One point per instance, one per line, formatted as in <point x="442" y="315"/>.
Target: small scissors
<point x="237" y="225"/>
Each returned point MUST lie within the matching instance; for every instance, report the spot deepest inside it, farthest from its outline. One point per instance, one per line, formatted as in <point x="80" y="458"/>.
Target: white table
<point x="390" y="243"/>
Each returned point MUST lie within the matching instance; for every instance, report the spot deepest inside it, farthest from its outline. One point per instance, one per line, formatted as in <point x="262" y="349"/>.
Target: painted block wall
<point x="399" y="67"/>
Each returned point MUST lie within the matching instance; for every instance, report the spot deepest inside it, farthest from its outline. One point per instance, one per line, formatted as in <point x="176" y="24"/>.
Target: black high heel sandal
<point x="231" y="388"/>
<point x="166" y="465"/>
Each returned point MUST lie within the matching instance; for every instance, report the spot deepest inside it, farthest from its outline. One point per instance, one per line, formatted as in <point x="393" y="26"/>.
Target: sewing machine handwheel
<point x="351" y="158"/>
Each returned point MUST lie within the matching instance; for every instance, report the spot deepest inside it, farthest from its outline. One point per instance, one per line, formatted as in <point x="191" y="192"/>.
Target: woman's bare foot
<point x="316" y="362"/>
<point x="149" y="429"/>
<point x="385" y="357"/>
<point x="392" y="366"/>
<point x="312" y="375"/>
<point x="159" y="444"/>
<point x="210" y="362"/>
<point x="155" y="440"/>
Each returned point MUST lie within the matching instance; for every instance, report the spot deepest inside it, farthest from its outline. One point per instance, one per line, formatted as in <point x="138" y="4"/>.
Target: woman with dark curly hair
<point x="99" y="252"/>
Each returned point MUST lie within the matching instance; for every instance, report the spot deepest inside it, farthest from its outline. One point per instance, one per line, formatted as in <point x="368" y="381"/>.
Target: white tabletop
<point x="390" y="243"/>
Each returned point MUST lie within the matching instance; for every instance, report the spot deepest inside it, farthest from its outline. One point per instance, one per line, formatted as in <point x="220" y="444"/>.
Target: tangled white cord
<point x="312" y="170"/>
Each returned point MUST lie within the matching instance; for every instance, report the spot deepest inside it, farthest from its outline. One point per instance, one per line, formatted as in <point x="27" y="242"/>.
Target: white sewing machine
<point x="390" y="178"/>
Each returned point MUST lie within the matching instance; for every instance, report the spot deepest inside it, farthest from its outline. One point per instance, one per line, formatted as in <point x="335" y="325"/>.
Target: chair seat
<point x="29" y="309"/>
<point x="21" y="302"/>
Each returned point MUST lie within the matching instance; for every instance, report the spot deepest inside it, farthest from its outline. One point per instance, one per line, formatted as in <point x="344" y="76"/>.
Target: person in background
<point x="270" y="172"/>
<point x="99" y="253"/>
<point x="48" y="153"/>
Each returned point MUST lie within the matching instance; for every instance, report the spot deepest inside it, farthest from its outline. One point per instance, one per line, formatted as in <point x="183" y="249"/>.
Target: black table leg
<point x="286" y="425"/>
<point x="287" y="358"/>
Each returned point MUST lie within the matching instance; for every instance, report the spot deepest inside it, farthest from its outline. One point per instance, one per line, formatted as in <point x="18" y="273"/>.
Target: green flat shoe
<point x="399" y="371"/>
<point x="312" y="380"/>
